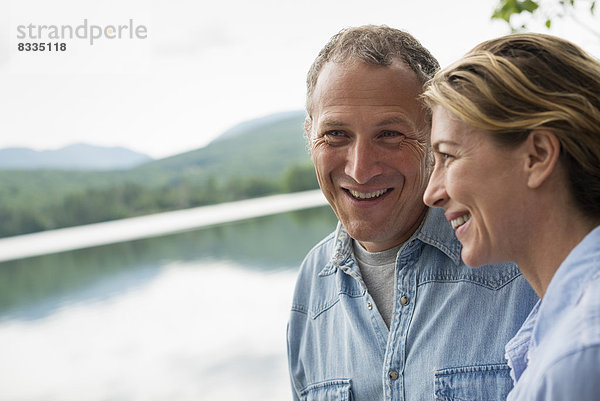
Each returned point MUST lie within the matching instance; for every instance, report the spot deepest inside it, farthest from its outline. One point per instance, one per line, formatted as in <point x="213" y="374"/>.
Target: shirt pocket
<point x="330" y="390"/>
<point x="473" y="383"/>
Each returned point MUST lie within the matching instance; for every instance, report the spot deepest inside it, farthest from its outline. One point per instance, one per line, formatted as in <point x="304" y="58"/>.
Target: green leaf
<point x="593" y="7"/>
<point x="528" y="5"/>
<point x="548" y="23"/>
<point x="507" y="8"/>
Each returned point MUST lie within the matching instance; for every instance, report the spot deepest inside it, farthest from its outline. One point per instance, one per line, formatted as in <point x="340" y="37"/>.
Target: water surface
<point x="193" y="316"/>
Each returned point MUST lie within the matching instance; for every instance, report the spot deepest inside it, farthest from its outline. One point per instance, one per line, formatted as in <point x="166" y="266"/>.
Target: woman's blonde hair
<point x="514" y="84"/>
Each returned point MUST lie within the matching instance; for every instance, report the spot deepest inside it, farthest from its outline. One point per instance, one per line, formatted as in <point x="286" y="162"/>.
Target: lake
<point x="199" y="315"/>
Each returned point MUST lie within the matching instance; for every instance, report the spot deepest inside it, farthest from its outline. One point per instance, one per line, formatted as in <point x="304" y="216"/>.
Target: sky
<point x="184" y="71"/>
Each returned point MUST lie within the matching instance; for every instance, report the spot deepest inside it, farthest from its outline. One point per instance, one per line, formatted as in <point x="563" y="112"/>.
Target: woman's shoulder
<point x="577" y="329"/>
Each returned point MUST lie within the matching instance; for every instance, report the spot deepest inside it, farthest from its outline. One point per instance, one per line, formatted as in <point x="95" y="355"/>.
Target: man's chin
<point x="364" y="233"/>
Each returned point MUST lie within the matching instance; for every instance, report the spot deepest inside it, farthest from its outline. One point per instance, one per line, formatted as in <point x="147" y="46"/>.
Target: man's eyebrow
<point x="393" y="120"/>
<point x="332" y="123"/>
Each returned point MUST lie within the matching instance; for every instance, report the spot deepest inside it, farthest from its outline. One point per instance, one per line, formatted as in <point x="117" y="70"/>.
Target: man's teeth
<point x="460" y="221"/>
<point x="367" y="195"/>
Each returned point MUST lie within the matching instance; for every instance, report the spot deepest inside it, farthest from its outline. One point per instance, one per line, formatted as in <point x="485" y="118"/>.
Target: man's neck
<point x="399" y="239"/>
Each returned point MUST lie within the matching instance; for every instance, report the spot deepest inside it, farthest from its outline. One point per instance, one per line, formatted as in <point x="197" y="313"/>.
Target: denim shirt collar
<point x="342" y="251"/>
<point x="434" y="231"/>
<point x="437" y="232"/>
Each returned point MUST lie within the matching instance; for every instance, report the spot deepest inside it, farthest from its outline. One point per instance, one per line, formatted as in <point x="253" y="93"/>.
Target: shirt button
<point x="411" y="243"/>
<point x="393" y="375"/>
<point x="404" y="300"/>
<point x="369" y="305"/>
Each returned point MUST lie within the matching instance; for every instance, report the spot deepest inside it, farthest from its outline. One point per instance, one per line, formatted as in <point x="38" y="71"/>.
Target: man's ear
<point x="308" y="132"/>
<point x="543" y="152"/>
<point x="307" y="126"/>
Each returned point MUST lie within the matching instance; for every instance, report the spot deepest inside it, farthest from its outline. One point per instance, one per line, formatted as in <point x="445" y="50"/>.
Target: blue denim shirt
<point x="556" y="354"/>
<point x="447" y="334"/>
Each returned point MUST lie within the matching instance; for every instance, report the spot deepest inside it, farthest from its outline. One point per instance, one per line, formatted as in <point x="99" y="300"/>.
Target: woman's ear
<point x="543" y="152"/>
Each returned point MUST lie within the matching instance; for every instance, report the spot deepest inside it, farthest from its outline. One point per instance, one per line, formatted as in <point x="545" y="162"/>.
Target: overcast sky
<point x="202" y="67"/>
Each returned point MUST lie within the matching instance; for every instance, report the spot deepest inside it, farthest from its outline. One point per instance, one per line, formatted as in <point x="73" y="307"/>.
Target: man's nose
<point x="364" y="162"/>
<point x="435" y="194"/>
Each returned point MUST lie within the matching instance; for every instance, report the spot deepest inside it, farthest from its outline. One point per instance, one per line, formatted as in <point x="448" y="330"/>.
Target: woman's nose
<point x="435" y="194"/>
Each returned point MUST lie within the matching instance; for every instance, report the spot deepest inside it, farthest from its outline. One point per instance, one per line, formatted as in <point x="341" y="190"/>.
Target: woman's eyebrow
<point x="436" y="145"/>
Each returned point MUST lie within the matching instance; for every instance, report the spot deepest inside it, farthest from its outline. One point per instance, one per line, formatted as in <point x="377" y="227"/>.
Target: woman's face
<point x="480" y="186"/>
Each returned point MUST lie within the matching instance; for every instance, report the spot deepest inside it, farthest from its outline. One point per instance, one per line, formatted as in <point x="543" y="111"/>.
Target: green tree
<point x="549" y="10"/>
<point x="299" y="177"/>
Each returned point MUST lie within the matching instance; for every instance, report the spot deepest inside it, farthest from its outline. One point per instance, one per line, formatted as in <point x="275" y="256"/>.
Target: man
<point x="384" y="309"/>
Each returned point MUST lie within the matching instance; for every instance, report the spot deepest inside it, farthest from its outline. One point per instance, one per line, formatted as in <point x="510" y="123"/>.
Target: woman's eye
<point x="445" y="157"/>
<point x="441" y="158"/>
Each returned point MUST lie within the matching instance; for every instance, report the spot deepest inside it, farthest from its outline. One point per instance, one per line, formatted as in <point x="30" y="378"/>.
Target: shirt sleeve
<point x="295" y="396"/>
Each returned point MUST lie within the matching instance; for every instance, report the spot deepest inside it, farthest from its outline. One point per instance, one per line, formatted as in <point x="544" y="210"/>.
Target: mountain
<point x="261" y="147"/>
<point x="72" y="157"/>
<point x="256" y="158"/>
<point x="247" y="127"/>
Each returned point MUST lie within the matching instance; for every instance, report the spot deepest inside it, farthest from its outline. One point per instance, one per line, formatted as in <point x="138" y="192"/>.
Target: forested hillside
<point x="77" y="156"/>
<point x="261" y="157"/>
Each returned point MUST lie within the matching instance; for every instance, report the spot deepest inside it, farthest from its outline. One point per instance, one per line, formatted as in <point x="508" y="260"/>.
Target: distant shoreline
<point x="71" y="238"/>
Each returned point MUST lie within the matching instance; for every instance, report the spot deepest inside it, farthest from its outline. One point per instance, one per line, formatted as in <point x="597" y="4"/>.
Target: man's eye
<point x="335" y="137"/>
<point x="392" y="137"/>
<point x="391" y="134"/>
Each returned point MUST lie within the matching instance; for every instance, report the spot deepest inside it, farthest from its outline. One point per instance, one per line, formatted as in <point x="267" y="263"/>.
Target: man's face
<point x="369" y="144"/>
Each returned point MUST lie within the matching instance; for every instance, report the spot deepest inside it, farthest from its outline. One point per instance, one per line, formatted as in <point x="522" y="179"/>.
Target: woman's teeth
<point x="367" y="195"/>
<point x="459" y="221"/>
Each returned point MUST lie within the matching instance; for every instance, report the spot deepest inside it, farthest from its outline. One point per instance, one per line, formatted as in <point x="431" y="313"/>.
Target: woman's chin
<point x="472" y="258"/>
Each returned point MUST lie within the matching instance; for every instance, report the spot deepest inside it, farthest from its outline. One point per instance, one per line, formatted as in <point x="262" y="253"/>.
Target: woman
<point x="516" y="141"/>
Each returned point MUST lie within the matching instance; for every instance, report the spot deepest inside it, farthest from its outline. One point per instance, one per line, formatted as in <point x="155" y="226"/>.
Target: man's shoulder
<point x="326" y="246"/>
<point x="319" y="256"/>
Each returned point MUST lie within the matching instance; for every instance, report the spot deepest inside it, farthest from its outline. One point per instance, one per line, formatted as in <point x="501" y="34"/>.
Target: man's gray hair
<point x="377" y="45"/>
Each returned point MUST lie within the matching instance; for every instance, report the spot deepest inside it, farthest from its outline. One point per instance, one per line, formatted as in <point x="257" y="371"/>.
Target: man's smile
<point x="367" y="195"/>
